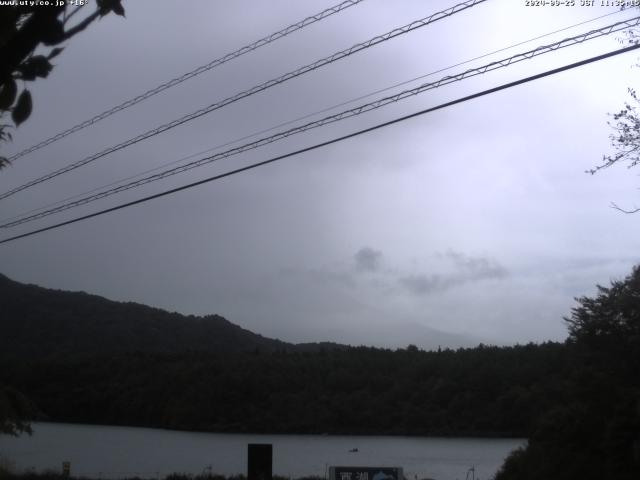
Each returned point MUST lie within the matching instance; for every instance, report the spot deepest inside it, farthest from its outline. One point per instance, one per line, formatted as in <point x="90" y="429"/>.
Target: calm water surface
<point x="112" y="452"/>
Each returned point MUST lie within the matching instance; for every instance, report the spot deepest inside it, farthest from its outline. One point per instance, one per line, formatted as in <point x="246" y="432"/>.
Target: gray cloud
<point x="466" y="269"/>
<point x="367" y="259"/>
<point x="476" y="268"/>
<point x="318" y="277"/>
<point x="425" y="284"/>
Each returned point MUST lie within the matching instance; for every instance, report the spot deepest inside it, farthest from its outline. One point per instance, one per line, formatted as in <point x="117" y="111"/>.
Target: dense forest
<point x="578" y="402"/>
<point x="482" y="391"/>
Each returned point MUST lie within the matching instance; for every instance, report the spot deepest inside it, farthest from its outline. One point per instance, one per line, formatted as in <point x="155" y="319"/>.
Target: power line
<point x="263" y="86"/>
<point x="330" y="142"/>
<point x="334" y="118"/>
<point x="193" y="73"/>
<point x="304" y="117"/>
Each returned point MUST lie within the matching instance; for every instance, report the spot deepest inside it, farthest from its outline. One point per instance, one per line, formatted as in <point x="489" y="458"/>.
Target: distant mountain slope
<point x="37" y="322"/>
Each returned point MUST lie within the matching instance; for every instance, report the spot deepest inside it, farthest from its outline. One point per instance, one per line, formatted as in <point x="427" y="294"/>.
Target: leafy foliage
<point x="611" y="320"/>
<point x="52" y="475"/>
<point x="595" y="432"/>
<point x="23" y="107"/>
<point x="25" y="28"/>
<point x="8" y="93"/>
<point x="14" y="409"/>
<point x="625" y="125"/>
<point x="626" y="136"/>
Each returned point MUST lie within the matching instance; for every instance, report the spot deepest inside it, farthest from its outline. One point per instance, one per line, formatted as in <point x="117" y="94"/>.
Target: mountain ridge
<point x="37" y="321"/>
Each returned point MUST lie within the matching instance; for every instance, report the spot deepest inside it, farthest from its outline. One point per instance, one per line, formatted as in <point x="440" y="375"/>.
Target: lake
<point x="116" y="452"/>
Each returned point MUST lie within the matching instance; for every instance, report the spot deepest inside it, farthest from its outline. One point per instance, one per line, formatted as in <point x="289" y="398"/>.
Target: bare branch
<point x="616" y="207"/>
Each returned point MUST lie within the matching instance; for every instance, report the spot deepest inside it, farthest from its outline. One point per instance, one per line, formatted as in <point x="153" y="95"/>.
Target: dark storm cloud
<point x="367" y="259"/>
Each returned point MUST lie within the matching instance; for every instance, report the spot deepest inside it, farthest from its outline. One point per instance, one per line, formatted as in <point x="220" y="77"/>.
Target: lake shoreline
<point x="345" y="433"/>
<point x="110" y="452"/>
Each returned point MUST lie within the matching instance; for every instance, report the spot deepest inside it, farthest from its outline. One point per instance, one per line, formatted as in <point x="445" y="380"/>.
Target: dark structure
<point x="260" y="461"/>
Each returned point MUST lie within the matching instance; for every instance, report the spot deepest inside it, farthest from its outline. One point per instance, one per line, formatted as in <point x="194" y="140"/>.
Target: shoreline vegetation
<point x="481" y="435"/>
<point x="9" y="474"/>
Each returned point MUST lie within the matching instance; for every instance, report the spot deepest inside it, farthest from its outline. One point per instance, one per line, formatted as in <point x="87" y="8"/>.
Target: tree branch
<point x="616" y="207"/>
<point x="68" y="17"/>
<point x="81" y="26"/>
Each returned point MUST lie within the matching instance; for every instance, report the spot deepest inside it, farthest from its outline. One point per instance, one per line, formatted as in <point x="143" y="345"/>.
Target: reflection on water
<point x="112" y="452"/>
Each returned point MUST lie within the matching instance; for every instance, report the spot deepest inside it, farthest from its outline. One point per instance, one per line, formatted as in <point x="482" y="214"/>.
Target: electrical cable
<point x="330" y="142"/>
<point x="259" y="88"/>
<point x="578" y="39"/>
<point x="304" y="117"/>
<point x="193" y="73"/>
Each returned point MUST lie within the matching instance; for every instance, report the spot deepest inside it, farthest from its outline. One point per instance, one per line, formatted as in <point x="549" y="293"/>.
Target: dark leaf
<point x="8" y="94"/>
<point x="117" y="8"/>
<point x="52" y="32"/>
<point x="55" y="52"/>
<point x="106" y="6"/>
<point x="37" y="66"/>
<point x="4" y="135"/>
<point x="25" y="74"/>
<point x="8" y="21"/>
<point x="4" y="161"/>
<point x="22" y="110"/>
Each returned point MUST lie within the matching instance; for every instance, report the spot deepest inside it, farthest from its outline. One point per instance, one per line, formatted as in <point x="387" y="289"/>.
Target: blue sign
<point x="366" y="473"/>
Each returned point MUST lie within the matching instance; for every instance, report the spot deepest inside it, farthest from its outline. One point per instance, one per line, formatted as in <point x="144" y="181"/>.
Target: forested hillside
<point x="82" y="358"/>
<point x="486" y="391"/>
<point x="40" y="322"/>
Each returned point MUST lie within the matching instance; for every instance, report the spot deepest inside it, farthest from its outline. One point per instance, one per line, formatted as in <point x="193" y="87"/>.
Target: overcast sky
<point x="472" y="223"/>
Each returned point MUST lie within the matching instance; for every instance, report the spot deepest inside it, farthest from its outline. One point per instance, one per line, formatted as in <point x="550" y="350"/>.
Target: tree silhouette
<point x="25" y="28"/>
<point x="593" y="431"/>
<point x="14" y="409"/>
<point x="625" y="124"/>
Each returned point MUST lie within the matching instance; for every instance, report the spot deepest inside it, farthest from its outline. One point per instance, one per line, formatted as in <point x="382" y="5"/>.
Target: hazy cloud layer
<point x="367" y="259"/>
<point x="466" y="269"/>
<point x="424" y="284"/>
<point x="476" y="268"/>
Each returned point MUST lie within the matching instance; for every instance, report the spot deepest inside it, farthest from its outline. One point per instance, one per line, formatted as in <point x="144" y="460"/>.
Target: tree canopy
<point x="610" y="320"/>
<point x="594" y="432"/>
